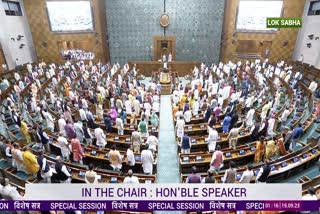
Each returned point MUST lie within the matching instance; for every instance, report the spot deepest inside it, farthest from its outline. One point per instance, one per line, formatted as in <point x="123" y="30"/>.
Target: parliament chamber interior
<point x="159" y="91"/>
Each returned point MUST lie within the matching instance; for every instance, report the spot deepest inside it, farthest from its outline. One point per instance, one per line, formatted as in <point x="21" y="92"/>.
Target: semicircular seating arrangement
<point x="62" y="92"/>
<point x="37" y="97"/>
<point x="299" y="101"/>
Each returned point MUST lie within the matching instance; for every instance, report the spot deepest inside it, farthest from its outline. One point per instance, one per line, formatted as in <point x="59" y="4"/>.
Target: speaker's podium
<point x="165" y="79"/>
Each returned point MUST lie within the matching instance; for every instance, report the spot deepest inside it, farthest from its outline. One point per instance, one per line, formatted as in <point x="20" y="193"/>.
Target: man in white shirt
<point x="156" y="106"/>
<point x="49" y="120"/>
<point x="313" y="86"/>
<point x="179" y="114"/>
<point x="187" y="116"/>
<point x="130" y="157"/>
<point x="195" y="107"/>
<point x="284" y="116"/>
<point x="62" y="123"/>
<point x="250" y="118"/>
<point x="119" y="125"/>
<point x="9" y="192"/>
<point x="247" y="175"/>
<point x="17" y="77"/>
<point x="147" y="160"/>
<point x="101" y="137"/>
<point x="136" y="106"/>
<point x="131" y="178"/>
<point x="84" y="103"/>
<point x="212" y="139"/>
<point x="249" y="102"/>
<point x="64" y="147"/>
<point x="83" y="115"/>
<point x="128" y="106"/>
<point x="270" y="128"/>
<point x="152" y="141"/>
<point x="298" y="76"/>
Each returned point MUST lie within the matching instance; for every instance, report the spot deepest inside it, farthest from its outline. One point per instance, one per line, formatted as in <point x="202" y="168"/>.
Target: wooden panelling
<point x="231" y="40"/>
<point x="146" y="68"/>
<point x="2" y="59"/>
<point x="247" y="46"/>
<point x="46" y="42"/>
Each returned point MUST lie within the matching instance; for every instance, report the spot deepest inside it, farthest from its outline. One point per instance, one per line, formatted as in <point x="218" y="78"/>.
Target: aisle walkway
<point x="168" y="166"/>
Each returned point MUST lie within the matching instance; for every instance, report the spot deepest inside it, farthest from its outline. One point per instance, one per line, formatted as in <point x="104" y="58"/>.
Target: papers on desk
<point x="273" y="168"/>
<point x="202" y="126"/>
<point x="304" y="155"/>
<point x="256" y="172"/>
<point x="314" y="151"/>
<point x="116" y="138"/>
<point x="106" y="155"/>
<point x="94" y="153"/>
<point x="242" y="152"/>
<point x="228" y="154"/>
<point x="127" y="139"/>
<point x="189" y="127"/>
<point x="131" y="127"/>
<point x="114" y="180"/>
<point x="198" y="158"/>
<point x="148" y="181"/>
<point x="206" y="140"/>
<point x="185" y="159"/>
<point x="197" y="116"/>
<point x="253" y="149"/>
<point x="284" y="164"/>
<point x="193" y="141"/>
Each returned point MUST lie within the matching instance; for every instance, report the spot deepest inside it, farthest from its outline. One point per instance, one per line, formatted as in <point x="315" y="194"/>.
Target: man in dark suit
<point x="264" y="173"/>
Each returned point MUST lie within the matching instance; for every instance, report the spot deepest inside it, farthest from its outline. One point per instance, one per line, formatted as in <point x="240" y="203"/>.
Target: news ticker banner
<point x="157" y="197"/>
<point x="153" y="205"/>
<point x="163" y="192"/>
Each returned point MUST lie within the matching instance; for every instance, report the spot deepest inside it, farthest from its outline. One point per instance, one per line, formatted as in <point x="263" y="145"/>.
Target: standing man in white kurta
<point x="147" y="160"/>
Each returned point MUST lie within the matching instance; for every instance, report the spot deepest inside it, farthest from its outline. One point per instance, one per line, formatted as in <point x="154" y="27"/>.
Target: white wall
<point x="310" y="25"/>
<point x="11" y="27"/>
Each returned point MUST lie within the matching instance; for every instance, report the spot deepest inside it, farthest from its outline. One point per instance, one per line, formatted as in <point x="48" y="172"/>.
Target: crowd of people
<point x="217" y="92"/>
<point x="94" y="100"/>
<point x="109" y="97"/>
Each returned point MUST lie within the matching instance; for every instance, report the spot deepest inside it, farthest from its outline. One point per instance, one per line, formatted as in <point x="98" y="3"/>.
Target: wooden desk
<point x="201" y="145"/>
<point x="204" y="162"/>
<point x="182" y="68"/>
<point x="281" y="168"/>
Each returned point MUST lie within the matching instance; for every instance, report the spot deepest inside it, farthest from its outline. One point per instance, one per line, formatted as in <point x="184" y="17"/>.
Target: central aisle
<point x="168" y="166"/>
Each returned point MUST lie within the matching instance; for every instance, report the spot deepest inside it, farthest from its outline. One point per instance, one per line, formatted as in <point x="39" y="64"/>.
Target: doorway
<point x="163" y="45"/>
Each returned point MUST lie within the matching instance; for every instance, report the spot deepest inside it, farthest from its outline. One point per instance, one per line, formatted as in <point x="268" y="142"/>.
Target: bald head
<point x="59" y="159"/>
<point x="130" y="172"/>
